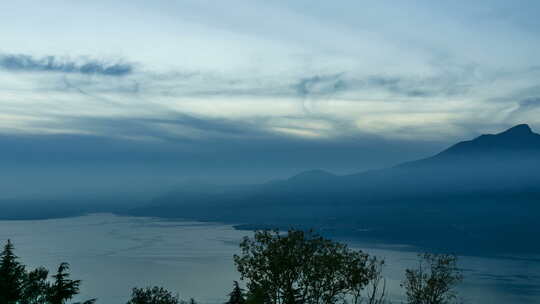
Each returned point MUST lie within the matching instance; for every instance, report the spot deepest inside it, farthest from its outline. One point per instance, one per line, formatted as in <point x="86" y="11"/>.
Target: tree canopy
<point x="303" y="267"/>
<point x="433" y="281"/>
<point x="12" y="276"/>
<point x="19" y="286"/>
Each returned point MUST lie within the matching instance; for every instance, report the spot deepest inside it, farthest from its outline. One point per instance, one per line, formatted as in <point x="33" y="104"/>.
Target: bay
<point x="113" y="254"/>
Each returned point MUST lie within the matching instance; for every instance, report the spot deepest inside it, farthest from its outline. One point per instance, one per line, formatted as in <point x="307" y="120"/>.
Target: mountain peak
<point x="517" y="138"/>
<point x="522" y="129"/>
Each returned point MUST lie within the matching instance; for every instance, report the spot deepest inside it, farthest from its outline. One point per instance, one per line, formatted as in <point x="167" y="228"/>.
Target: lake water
<point x="112" y="254"/>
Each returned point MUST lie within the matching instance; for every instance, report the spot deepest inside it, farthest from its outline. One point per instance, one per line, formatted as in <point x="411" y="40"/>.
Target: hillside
<point x="468" y="197"/>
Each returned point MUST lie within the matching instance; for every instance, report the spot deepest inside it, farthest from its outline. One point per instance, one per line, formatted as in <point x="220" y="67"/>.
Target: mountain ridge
<point x="520" y="137"/>
<point x="464" y="185"/>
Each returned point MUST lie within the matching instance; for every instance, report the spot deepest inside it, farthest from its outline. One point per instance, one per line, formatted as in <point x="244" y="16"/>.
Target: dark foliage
<point x="434" y="281"/>
<point x="153" y="295"/>
<point x="36" y="288"/>
<point x="12" y="274"/>
<point x="17" y="286"/>
<point x="302" y="267"/>
<point x="237" y="295"/>
<point x="297" y="267"/>
<point x="63" y="288"/>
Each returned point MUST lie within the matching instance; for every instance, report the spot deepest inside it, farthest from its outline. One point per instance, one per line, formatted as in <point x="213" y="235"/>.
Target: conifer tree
<point x="12" y="275"/>
<point x="237" y="295"/>
<point x="63" y="288"/>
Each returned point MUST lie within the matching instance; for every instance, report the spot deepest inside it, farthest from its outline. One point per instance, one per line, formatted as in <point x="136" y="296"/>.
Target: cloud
<point x="529" y="104"/>
<point x="526" y="111"/>
<point x="27" y="63"/>
<point x="218" y="144"/>
<point x="166" y="127"/>
<point x="398" y="86"/>
<point x="442" y="83"/>
<point x="320" y="85"/>
<point x="180" y="83"/>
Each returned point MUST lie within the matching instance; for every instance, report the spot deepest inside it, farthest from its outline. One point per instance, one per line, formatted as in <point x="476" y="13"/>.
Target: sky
<point x="259" y="89"/>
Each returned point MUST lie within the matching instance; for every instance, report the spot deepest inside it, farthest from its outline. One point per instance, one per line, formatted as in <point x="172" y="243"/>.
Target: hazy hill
<point x="471" y="196"/>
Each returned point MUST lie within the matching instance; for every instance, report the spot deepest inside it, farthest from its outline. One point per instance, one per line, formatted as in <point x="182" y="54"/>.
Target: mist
<point x="55" y="166"/>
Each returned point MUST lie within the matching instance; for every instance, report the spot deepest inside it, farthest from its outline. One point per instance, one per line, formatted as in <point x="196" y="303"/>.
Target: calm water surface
<point x="113" y="254"/>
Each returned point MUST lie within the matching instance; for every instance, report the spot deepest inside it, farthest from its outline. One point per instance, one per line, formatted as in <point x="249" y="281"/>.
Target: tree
<point x="434" y="281"/>
<point x="365" y="276"/>
<point x="35" y="287"/>
<point x="301" y="267"/>
<point x="63" y="288"/>
<point x="17" y="286"/>
<point x="257" y="295"/>
<point x="12" y="275"/>
<point x="377" y="294"/>
<point x="237" y="295"/>
<point x="154" y="295"/>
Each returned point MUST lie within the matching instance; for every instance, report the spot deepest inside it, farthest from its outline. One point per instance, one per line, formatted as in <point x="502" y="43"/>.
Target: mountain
<point x="516" y="139"/>
<point x="472" y="196"/>
<point x="507" y="160"/>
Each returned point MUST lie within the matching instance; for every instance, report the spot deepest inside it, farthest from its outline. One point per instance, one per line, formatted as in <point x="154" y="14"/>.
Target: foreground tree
<point x="154" y="295"/>
<point x="434" y="281"/>
<point x="237" y="295"/>
<point x="303" y="267"/>
<point x="63" y="288"/>
<point x="368" y="285"/>
<point x="17" y="286"/>
<point x="36" y="287"/>
<point x="12" y="275"/>
<point x="257" y="295"/>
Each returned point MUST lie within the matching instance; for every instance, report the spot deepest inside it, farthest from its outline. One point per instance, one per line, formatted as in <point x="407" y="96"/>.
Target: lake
<point x="112" y="254"/>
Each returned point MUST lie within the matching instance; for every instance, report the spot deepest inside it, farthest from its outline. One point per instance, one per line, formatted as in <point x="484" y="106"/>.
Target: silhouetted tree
<point x="154" y="295"/>
<point x="12" y="275"/>
<point x="17" y="286"/>
<point x="237" y="295"/>
<point x="257" y="295"/>
<point x="63" y="288"/>
<point x="365" y="280"/>
<point x="434" y="281"/>
<point x="35" y="287"/>
<point x="302" y="267"/>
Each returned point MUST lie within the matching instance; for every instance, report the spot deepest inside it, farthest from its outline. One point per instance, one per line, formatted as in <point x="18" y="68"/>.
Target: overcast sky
<point x="294" y="84"/>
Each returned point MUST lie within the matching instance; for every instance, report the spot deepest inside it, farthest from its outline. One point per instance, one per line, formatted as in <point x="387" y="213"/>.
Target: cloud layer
<point x="27" y="63"/>
<point x="216" y="79"/>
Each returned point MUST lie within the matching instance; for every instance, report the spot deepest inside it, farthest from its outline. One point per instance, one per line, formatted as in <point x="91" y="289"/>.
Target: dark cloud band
<point x="26" y="63"/>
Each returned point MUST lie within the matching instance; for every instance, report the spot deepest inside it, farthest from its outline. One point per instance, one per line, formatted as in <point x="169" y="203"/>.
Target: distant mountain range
<point x="479" y="195"/>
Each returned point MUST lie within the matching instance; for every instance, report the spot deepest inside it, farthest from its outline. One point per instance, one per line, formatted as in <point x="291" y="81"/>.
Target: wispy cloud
<point x="530" y="103"/>
<point x="27" y="63"/>
<point x="320" y="85"/>
<point x="526" y="109"/>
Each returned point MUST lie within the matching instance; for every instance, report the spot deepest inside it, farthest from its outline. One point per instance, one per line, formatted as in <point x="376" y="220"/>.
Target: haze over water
<point x="112" y="254"/>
